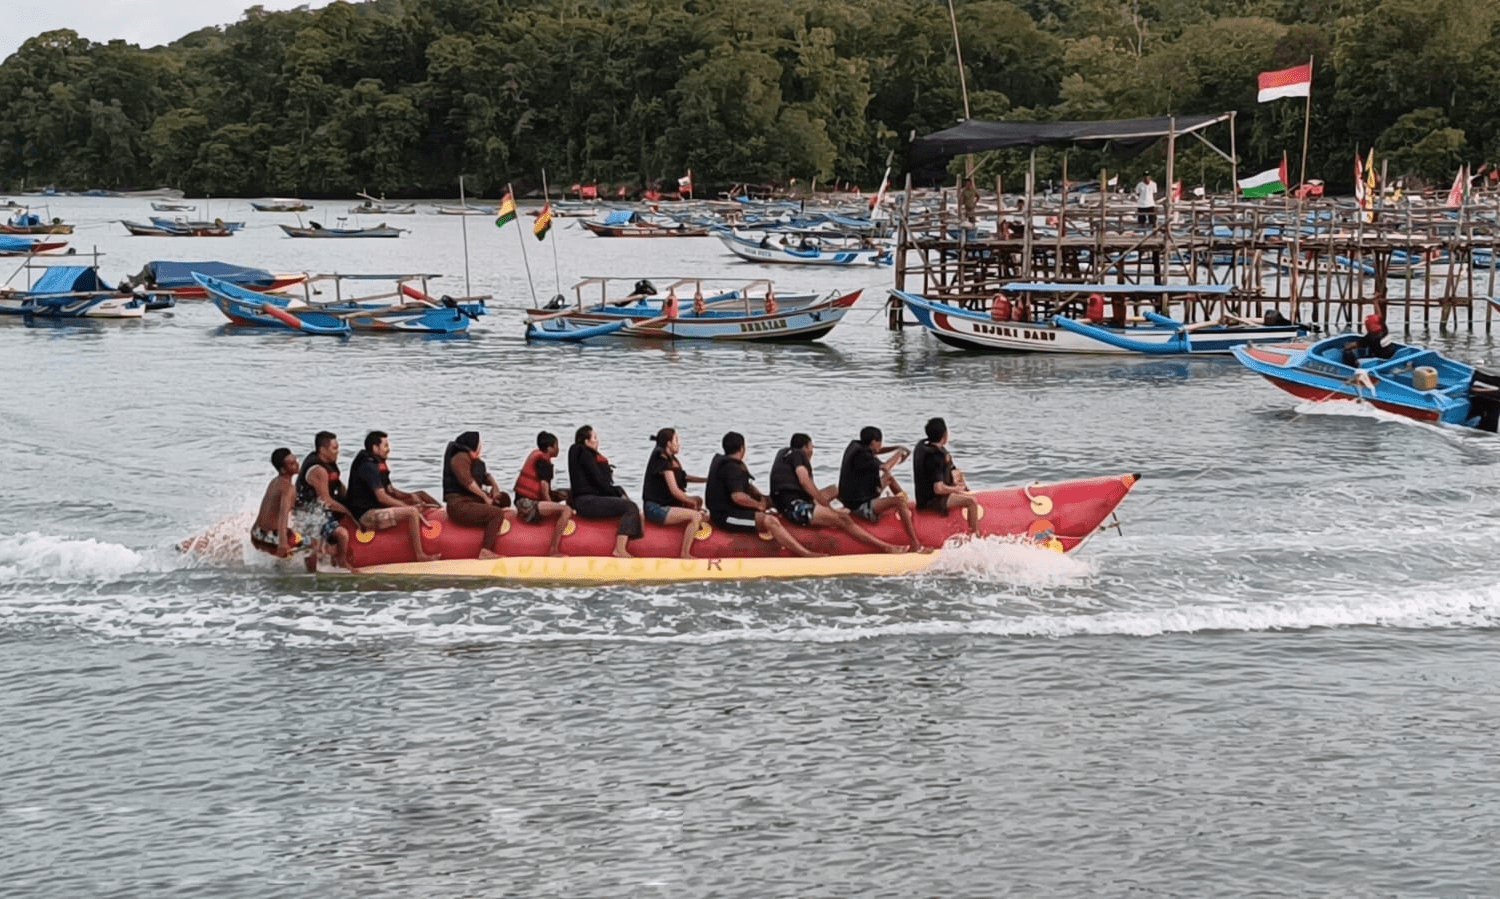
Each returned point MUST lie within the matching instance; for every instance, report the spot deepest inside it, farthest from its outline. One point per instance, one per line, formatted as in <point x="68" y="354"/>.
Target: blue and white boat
<point x="801" y="248"/>
<point x="687" y="311"/>
<point x="1050" y="317"/>
<point x="77" y="291"/>
<point x="405" y="310"/>
<point x="1416" y="382"/>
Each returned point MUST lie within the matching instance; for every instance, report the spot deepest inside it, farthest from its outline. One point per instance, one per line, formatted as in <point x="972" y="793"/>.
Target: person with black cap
<point x="470" y="494"/>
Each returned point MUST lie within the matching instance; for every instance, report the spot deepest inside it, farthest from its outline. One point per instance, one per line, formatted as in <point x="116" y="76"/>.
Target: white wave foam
<point x="34" y="556"/>
<point x="1011" y="560"/>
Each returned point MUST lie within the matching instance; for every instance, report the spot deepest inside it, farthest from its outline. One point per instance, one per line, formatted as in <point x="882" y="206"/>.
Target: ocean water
<point x="1277" y="677"/>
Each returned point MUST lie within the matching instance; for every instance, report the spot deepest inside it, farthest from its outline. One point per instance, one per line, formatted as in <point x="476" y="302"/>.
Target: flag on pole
<point x="1361" y="190"/>
<point x="507" y="211"/>
<point x="1269" y="182"/>
<point x="543" y="222"/>
<point x="1460" y="189"/>
<point x="1176" y="190"/>
<point x="1370" y="177"/>
<point x="686" y="182"/>
<point x="1293" y="82"/>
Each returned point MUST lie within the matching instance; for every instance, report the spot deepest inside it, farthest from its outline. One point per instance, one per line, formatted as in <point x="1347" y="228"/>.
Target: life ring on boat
<point x="770" y="302"/>
<point x="669" y="305"/>
<point x="1094" y="310"/>
<point x="1000" y="308"/>
<point x="697" y="302"/>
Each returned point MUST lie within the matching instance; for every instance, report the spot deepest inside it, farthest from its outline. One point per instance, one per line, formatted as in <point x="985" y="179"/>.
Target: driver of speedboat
<point x="1375" y="343"/>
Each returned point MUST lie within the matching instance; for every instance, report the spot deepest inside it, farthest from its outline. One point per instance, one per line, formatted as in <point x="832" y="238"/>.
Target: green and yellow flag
<point x="507" y="211"/>
<point x="543" y="222"/>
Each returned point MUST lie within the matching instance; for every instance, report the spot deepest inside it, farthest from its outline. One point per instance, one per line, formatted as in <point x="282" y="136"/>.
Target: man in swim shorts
<point x="272" y="532"/>
<point x="801" y="501"/>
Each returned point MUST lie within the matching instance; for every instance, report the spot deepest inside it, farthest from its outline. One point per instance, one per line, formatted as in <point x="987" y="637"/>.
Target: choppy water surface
<point x="1278" y="678"/>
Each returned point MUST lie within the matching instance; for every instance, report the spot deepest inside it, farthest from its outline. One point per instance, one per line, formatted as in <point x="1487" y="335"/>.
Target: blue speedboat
<point x="1415" y="382"/>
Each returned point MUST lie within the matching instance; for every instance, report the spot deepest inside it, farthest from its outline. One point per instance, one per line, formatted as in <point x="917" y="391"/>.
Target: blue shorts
<point x="866" y="510"/>
<point x="799" y="511"/>
<point x="330" y="524"/>
<point x="656" y="513"/>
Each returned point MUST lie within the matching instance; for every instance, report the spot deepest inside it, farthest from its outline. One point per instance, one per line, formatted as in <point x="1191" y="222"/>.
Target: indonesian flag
<point x="1293" y="82"/>
<point x="589" y="192"/>
<point x="879" y="197"/>
<point x="1176" y="190"/>
<point x="686" y="182"/>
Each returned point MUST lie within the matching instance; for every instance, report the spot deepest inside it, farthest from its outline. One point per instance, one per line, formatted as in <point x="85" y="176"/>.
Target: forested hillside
<point x="402" y="97"/>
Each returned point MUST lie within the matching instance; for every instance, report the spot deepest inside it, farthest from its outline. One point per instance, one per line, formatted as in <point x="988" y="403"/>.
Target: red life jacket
<point x="527" y="482"/>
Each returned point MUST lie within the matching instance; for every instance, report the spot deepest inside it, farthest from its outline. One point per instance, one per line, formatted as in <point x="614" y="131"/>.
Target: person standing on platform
<point x="1145" y="201"/>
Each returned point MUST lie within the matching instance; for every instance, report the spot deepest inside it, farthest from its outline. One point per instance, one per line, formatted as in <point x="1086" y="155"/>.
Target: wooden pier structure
<point x="1323" y="261"/>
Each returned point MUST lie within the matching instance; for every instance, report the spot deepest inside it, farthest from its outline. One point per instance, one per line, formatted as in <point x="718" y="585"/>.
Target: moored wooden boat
<point x="316" y="230"/>
<point x="804" y="250"/>
<point x="17" y="245"/>
<point x="143" y="230"/>
<point x="27" y="222"/>
<point x="629" y="223"/>
<point x="280" y="204"/>
<point x="177" y="277"/>
<point x="408" y="309"/>
<point x="1061" y="516"/>
<point x="1414" y="382"/>
<point x="78" y="291"/>
<point x="753" y="312"/>
<point x="1091" y="318"/>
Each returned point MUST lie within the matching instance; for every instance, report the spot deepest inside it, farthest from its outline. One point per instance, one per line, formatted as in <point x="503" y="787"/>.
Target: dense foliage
<point x="404" y="96"/>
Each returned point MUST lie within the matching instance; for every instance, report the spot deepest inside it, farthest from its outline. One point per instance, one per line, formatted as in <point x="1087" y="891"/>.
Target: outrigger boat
<point x="15" y="245"/>
<point x="806" y="250"/>
<point x="1052" y="317"/>
<point x="183" y="221"/>
<point x="77" y="291"/>
<point x="177" y="277"/>
<point x="316" y="230"/>
<point x="753" y="312"/>
<point x="408" y="309"/>
<point x="1061" y="516"/>
<point x="1415" y="382"/>
<point x="27" y="222"/>
<point x="280" y="204"/>
<point x="141" y="230"/>
<point x="629" y="223"/>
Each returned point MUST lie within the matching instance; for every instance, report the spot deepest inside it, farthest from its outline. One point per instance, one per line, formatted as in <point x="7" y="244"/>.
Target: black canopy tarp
<point x="1127" y="137"/>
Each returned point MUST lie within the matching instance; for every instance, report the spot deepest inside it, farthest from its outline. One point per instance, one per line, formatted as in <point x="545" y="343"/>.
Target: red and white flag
<point x="1293" y="82"/>
<point x="685" y="183"/>
<point x="1460" y="188"/>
